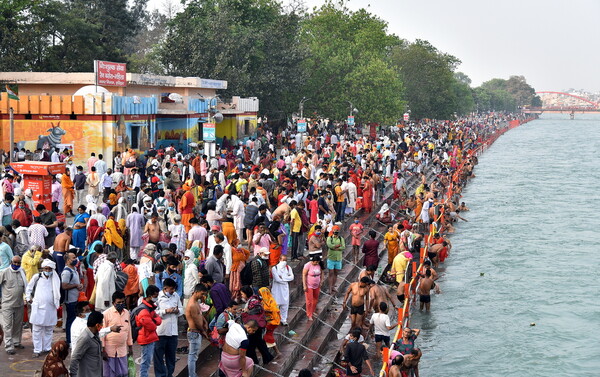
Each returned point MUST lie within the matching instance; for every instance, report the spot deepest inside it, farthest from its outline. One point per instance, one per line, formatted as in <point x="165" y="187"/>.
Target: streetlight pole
<point x="209" y="145"/>
<point x="301" y="106"/>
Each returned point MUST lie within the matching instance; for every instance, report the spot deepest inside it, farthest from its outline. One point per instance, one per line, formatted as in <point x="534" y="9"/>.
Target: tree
<point x="463" y="94"/>
<point x="252" y="44"/>
<point x="428" y="77"/>
<point x="348" y="61"/>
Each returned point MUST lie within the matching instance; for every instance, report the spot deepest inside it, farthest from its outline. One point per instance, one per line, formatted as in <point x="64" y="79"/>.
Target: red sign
<point x="111" y="74"/>
<point x="39" y="167"/>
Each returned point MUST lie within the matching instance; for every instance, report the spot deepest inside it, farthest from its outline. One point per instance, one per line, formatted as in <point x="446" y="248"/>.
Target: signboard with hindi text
<point x="351" y="120"/>
<point x="110" y="73"/>
<point x="208" y="132"/>
<point x="301" y="125"/>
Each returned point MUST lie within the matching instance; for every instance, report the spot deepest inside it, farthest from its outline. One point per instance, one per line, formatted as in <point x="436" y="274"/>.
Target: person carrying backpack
<point x="146" y="322"/>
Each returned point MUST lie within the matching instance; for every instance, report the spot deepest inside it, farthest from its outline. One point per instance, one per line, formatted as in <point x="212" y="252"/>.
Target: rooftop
<point x="88" y="78"/>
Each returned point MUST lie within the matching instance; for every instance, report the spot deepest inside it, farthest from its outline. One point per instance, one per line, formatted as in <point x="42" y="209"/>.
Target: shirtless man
<point x="411" y="362"/>
<point x="197" y="326"/>
<point x="61" y="246"/>
<point x="368" y="272"/>
<point x="360" y="297"/>
<point x="377" y="294"/>
<point x="153" y="229"/>
<point x="433" y="252"/>
<point x="427" y="266"/>
<point x="463" y="207"/>
<point x="396" y="365"/>
<point x="426" y="284"/>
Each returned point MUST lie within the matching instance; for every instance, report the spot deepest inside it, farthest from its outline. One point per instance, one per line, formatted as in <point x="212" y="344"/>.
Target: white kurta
<point x="105" y="285"/>
<point x="282" y="275"/>
<point x="351" y="195"/>
<point x="190" y="279"/>
<point x="44" y="306"/>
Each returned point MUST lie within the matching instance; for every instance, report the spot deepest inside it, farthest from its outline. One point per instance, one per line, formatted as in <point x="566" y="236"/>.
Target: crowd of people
<point x="139" y="247"/>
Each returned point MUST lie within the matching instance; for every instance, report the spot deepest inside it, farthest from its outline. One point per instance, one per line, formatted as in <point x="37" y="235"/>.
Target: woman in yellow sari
<point x="390" y="240"/>
<point x="113" y="237"/>
<point x="273" y="317"/>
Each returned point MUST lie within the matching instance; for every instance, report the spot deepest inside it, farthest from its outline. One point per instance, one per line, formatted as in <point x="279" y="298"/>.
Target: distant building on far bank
<point x="69" y="110"/>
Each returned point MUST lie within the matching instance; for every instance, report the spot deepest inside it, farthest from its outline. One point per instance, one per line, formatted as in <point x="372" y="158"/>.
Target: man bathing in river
<point x="426" y="284"/>
<point x="378" y="294"/>
<point x="360" y="297"/>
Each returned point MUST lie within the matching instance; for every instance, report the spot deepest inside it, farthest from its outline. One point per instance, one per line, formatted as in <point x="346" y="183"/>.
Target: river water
<point x="533" y="234"/>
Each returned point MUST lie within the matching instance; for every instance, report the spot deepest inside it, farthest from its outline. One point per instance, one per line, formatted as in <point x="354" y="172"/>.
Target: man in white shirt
<point x="169" y="308"/>
<point x="137" y="180"/>
<point x="100" y="166"/>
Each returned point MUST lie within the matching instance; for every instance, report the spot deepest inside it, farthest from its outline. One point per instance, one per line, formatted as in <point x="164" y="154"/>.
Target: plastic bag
<point x="130" y="367"/>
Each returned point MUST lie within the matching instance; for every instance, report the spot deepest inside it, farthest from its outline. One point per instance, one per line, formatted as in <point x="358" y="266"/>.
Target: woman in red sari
<point x="94" y="231"/>
<point x="23" y="214"/>
<point x="367" y="188"/>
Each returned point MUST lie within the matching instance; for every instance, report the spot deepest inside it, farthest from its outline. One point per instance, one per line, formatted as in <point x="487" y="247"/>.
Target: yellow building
<point x="68" y="110"/>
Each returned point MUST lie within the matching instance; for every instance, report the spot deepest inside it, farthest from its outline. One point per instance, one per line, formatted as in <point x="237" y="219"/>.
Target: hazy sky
<point x="555" y="44"/>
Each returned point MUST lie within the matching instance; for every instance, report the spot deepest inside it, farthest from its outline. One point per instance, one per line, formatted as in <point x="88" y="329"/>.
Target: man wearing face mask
<point x="169" y="308"/>
<point x="282" y="275"/>
<point x="260" y="269"/>
<point x="80" y="324"/>
<point x="43" y="293"/>
<point x="171" y="273"/>
<point x="117" y="346"/>
<point x="87" y="355"/>
<point x="191" y="277"/>
<point x="148" y="321"/>
<point x="12" y="284"/>
<point x="71" y="284"/>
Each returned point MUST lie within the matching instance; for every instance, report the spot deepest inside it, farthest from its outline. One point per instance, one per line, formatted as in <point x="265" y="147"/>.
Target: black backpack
<point x="121" y="281"/>
<point x="135" y="329"/>
<point x="246" y="275"/>
<point x="63" y="292"/>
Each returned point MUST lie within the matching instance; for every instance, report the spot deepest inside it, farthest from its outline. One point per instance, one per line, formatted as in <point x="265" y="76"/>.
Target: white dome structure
<point x="90" y="89"/>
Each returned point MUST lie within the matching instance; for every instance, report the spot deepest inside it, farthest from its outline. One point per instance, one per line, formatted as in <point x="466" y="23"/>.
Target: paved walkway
<point x="22" y="364"/>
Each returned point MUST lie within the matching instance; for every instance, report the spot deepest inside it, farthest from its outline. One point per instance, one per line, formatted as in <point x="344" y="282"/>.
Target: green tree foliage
<point x="431" y="88"/>
<point x="252" y="44"/>
<point x="330" y="55"/>
<point x="505" y="95"/>
<point x="348" y="61"/>
<point x="52" y="35"/>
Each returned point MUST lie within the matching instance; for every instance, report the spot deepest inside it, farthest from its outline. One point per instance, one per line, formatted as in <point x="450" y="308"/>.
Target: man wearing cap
<point x="260" y="269"/>
<point x="146" y="266"/>
<point x="43" y="293"/>
<point x="105" y="282"/>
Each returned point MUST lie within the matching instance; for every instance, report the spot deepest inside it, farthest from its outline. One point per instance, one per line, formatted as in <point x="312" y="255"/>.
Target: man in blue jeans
<point x="169" y="308"/>
<point x="197" y="326"/>
<point x="71" y="284"/>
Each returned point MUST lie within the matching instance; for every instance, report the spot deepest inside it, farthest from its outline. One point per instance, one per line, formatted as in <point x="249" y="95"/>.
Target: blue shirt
<point x="6" y="256"/>
<point x="160" y="278"/>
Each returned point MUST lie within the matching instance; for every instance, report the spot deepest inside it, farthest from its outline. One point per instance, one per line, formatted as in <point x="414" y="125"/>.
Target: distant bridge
<point x="589" y="107"/>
